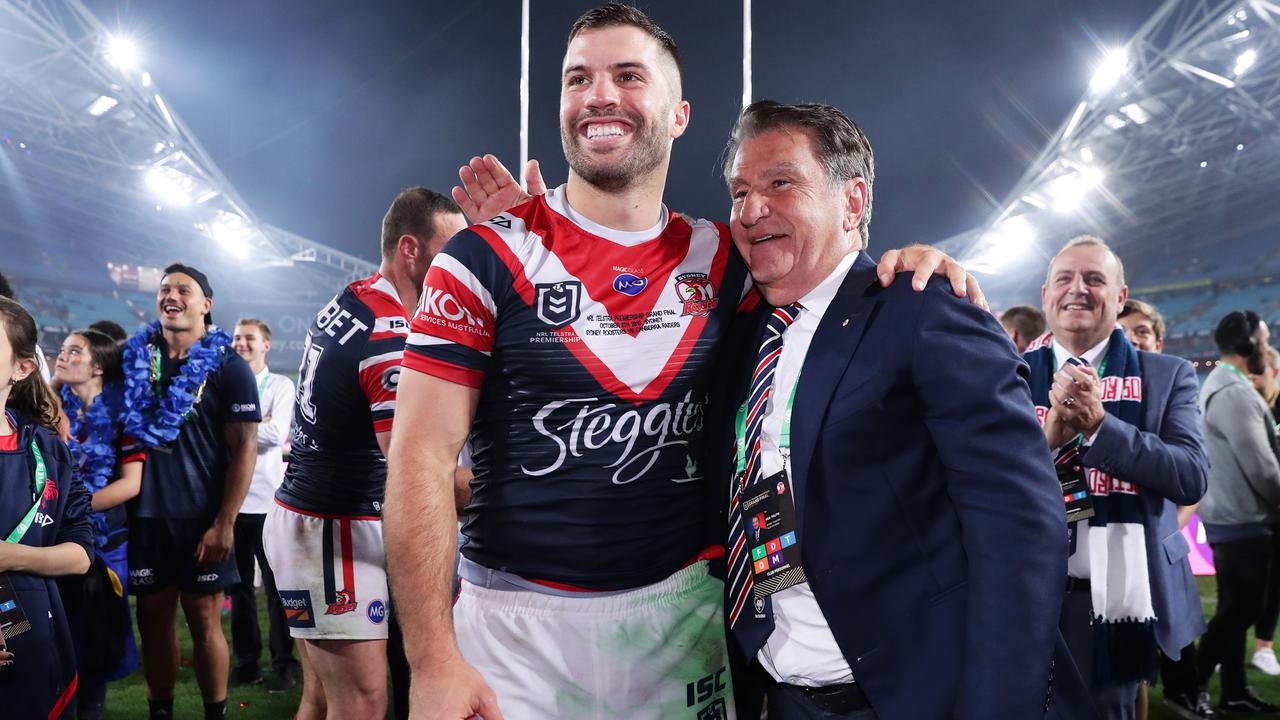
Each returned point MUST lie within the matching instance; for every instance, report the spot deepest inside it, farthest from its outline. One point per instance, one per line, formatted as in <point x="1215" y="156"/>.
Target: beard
<point x="647" y="151"/>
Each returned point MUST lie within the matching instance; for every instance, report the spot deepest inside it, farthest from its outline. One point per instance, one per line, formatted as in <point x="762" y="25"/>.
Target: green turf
<point x="127" y="699"/>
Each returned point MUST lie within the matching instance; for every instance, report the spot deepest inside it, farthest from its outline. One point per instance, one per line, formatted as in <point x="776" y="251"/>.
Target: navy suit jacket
<point x="930" y="518"/>
<point x="1168" y="462"/>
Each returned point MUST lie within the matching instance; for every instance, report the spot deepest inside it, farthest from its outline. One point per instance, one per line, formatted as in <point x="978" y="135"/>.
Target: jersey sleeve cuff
<point x="444" y="370"/>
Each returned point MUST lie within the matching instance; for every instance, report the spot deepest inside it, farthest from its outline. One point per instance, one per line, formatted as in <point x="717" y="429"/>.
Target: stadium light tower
<point x="122" y="52"/>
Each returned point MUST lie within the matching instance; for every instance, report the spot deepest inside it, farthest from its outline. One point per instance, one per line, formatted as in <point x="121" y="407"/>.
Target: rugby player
<point x="182" y="523"/>
<point x="572" y="337"/>
<point x="323" y="536"/>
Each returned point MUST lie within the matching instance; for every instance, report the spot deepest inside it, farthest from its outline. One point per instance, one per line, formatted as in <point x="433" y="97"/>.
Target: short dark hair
<point x="621" y="14"/>
<point x="842" y="147"/>
<point x="104" y="352"/>
<point x="413" y="212"/>
<point x="1134" y="306"/>
<point x="1235" y="331"/>
<point x="262" y="326"/>
<point x="6" y="290"/>
<point x="111" y="329"/>
<point x="1025" y="320"/>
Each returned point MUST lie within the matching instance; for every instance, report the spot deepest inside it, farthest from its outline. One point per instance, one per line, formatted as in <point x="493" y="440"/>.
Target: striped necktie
<point x="753" y="634"/>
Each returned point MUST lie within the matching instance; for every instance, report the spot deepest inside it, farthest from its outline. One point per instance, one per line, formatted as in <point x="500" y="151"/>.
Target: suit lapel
<point x="830" y="352"/>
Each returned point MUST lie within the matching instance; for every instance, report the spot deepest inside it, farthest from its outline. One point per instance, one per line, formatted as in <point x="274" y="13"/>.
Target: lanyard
<point x="262" y="385"/>
<point x="740" y="438"/>
<point x="41" y="476"/>
<point x="1236" y="370"/>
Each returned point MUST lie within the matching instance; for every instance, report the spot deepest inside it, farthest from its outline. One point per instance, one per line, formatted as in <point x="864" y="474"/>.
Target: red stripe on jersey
<point x="383" y="425"/>
<point x="375" y="337"/>
<point x="451" y="311"/>
<point x="371" y="381"/>
<point x="603" y="375"/>
<point x="382" y="304"/>
<point x="749" y="301"/>
<point x="444" y="370"/>
<point x="140" y="456"/>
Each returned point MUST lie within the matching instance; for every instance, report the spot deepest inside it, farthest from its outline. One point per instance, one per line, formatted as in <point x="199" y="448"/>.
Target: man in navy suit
<point x="918" y="574"/>
<point x="1134" y="419"/>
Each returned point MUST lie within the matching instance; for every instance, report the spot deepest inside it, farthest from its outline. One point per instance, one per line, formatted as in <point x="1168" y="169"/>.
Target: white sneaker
<point x="1265" y="660"/>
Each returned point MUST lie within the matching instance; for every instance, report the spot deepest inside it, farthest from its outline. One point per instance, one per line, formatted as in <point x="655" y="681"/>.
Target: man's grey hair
<point x="1092" y="241"/>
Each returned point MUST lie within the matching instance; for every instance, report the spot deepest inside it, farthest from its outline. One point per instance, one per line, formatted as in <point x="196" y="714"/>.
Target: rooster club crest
<point x="558" y="303"/>
<point x="342" y="603"/>
<point x="697" y="294"/>
<point x="50" y="493"/>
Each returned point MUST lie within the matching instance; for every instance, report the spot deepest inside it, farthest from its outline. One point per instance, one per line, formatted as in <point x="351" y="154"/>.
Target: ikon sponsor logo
<point x="438" y="303"/>
<point x="576" y="426"/>
<point x="243" y="407"/>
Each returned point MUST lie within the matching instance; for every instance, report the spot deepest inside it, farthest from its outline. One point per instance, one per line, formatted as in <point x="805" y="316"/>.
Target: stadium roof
<point x="84" y="130"/>
<point x="1175" y="144"/>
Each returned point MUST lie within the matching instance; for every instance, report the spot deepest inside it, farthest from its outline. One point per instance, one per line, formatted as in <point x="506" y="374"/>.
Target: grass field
<point x="127" y="699"/>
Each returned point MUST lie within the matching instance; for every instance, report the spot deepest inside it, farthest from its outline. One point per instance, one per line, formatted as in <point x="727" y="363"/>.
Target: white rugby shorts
<point x="331" y="573"/>
<point x="653" y="653"/>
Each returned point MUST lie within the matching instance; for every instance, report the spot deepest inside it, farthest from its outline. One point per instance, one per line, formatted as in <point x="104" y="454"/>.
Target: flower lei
<point x="95" y="456"/>
<point x="149" y="417"/>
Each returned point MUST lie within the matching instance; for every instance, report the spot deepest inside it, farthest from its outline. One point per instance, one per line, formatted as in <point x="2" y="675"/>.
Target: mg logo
<point x="557" y="303"/>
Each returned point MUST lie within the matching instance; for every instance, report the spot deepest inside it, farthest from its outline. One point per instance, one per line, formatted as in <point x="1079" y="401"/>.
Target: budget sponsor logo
<point x="297" y="608"/>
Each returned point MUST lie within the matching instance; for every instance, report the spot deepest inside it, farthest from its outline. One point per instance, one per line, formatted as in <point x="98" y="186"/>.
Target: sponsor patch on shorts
<point x="376" y="612"/>
<point x="297" y="608"/>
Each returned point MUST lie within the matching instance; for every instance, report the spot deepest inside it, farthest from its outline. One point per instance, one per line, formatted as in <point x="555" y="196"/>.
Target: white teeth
<point x="600" y="130"/>
<point x="762" y="239"/>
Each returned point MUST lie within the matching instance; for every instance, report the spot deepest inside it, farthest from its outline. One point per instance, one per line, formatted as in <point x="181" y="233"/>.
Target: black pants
<point x="398" y="664"/>
<point x="245" y="635"/>
<point x="1242" y="567"/>
<point x="1180" y="677"/>
<point x="1266" y="627"/>
<point x="788" y="703"/>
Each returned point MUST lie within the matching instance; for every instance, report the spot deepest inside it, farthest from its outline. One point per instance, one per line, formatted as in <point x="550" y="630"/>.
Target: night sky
<point x="319" y="111"/>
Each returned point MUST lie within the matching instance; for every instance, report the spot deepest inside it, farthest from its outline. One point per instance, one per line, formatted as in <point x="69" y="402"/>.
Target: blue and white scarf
<point x="1120" y="583"/>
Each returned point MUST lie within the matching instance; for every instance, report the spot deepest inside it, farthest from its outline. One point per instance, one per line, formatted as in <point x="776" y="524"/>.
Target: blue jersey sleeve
<point x="239" y="391"/>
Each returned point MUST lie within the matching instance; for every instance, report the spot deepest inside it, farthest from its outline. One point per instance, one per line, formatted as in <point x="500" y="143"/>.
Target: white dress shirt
<point x="1078" y="563"/>
<point x="801" y="649"/>
<point x="275" y="401"/>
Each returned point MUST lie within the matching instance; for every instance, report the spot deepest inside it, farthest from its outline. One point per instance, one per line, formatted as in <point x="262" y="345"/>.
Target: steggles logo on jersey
<point x="629" y="284"/>
<point x="558" y="303"/>
<point x="697" y="293"/>
<point x="576" y="426"/>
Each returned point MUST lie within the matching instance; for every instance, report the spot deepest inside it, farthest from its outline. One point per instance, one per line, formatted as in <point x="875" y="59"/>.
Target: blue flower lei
<point x="149" y="417"/>
<point x="95" y="456"/>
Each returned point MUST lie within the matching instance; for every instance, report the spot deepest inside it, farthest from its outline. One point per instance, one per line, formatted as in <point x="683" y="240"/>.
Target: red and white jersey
<point x="593" y="351"/>
<point x="346" y="394"/>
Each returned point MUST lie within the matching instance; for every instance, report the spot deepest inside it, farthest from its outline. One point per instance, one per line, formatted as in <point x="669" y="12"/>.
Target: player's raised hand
<point x="488" y="188"/>
<point x="926" y="261"/>
<point x="451" y="690"/>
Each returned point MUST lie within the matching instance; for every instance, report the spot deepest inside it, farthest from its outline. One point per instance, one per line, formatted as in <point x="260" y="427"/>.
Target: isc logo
<point x="705" y="688"/>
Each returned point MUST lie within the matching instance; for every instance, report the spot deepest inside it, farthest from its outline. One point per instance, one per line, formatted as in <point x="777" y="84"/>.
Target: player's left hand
<point x="1077" y="396"/>
<point x="215" y="545"/>
<point x="488" y="187"/>
<point x="927" y="261"/>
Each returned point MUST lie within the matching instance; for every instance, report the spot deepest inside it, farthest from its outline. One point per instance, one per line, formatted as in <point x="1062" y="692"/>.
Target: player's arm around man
<point x="433" y="417"/>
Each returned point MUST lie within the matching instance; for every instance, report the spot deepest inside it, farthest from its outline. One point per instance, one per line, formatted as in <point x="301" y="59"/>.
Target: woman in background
<point x="45" y="531"/>
<point x="88" y="376"/>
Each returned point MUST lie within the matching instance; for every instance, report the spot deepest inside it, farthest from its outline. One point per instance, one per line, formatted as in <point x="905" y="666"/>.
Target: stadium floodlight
<point x="122" y="52"/>
<point x="1010" y="238"/>
<point x="1086" y="154"/>
<point x="102" y="105"/>
<point x="1245" y="61"/>
<point x="229" y="230"/>
<point x="1136" y="113"/>
<point x="171" y="186"/>
<point x="146" y="79"/>
<point x="1066" y="192"/>
<point x="1113" y="67"/>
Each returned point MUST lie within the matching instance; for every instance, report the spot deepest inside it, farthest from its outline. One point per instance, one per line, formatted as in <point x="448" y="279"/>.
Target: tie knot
<point x="782" y="317"/>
